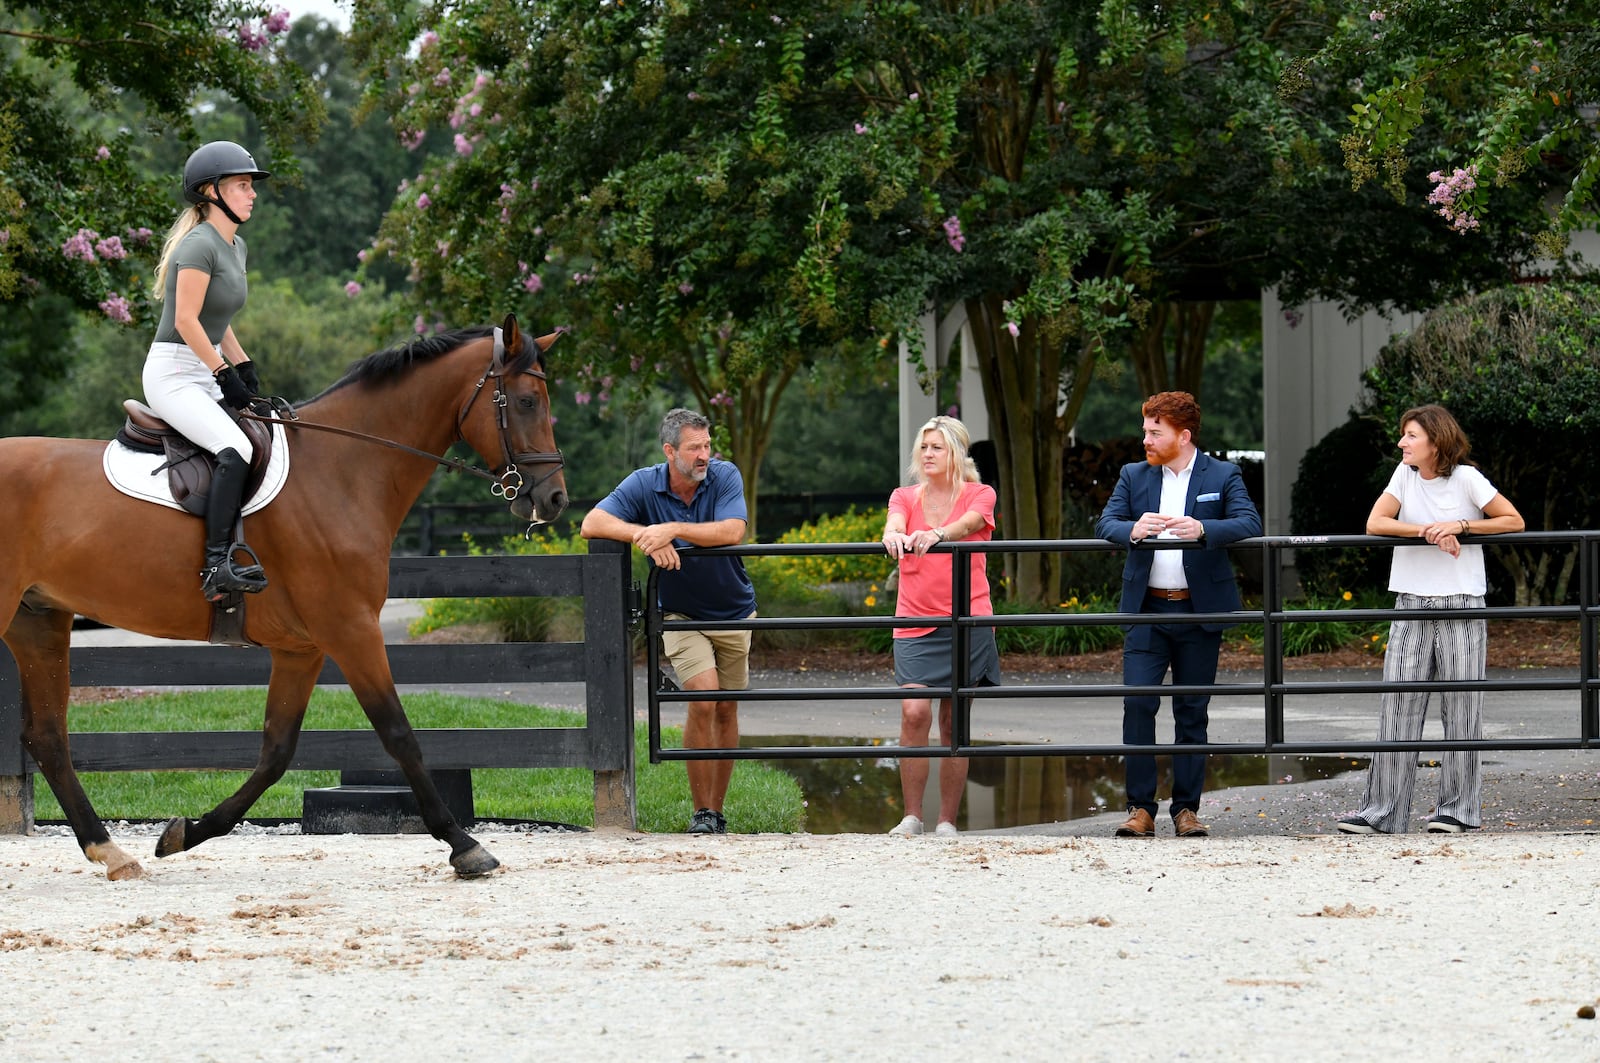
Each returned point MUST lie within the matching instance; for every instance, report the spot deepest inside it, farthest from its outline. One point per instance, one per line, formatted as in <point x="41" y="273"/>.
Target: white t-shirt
<point x="1428" y="570"/>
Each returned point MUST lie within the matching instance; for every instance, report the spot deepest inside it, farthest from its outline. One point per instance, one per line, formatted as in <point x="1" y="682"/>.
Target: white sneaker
<point x="946" y="830"/>
<point x="908" y="827"/>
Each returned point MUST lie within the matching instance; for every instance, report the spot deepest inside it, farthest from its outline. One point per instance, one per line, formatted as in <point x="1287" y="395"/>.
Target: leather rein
<point x="507" y="483"/>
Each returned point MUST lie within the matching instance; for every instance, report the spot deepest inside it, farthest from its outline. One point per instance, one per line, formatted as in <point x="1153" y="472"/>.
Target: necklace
<point x="938" y="510"/>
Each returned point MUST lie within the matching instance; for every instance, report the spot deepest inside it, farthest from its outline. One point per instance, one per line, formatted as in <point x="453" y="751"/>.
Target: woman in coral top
<point x="944" y="503"/>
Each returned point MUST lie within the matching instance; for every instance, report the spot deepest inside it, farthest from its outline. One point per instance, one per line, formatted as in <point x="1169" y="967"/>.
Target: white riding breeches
<point x="183" y="393"/>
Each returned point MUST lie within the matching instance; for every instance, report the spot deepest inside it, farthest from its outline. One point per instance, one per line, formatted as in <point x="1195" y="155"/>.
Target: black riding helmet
<point x="210" y="163"/>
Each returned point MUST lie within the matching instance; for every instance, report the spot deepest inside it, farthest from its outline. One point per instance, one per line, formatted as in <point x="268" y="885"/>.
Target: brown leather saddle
<point x="189" y="467"/>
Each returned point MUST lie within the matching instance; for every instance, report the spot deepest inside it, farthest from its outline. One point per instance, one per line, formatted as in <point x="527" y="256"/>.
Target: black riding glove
<point x="234" y="391"/>
<point x="247" y="373"/>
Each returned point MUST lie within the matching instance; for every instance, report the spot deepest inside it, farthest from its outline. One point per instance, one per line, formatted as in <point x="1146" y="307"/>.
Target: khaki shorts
<point x="693" y="652"/>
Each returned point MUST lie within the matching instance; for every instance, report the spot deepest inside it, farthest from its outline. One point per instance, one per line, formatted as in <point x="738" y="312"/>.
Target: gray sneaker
<point x="705" y="821"/>
<point x="1357" y="825"/>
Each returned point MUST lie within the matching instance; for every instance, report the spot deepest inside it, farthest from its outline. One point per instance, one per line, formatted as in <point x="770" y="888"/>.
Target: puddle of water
<point x="863" y="796"/>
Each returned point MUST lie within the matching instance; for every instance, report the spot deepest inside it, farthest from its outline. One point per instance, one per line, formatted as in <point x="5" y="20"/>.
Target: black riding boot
<point x="220" y="575"/>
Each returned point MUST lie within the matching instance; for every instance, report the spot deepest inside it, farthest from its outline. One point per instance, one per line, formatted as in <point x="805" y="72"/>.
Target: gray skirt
<point x="925" y="660"/>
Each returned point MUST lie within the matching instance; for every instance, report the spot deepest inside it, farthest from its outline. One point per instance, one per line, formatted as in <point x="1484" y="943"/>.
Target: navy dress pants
<point x="1148" y="652"/>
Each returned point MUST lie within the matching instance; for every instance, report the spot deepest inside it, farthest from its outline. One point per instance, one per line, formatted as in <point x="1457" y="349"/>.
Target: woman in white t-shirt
<point x="1437" y="496"/>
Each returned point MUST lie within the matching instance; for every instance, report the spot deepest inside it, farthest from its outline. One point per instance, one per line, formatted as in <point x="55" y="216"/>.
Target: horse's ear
<point x="546" y="342"/>
<point x="512" y="334"/>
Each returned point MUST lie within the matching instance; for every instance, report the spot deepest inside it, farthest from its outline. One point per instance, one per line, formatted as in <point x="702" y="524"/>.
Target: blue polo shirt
<point x="705" y="588"/>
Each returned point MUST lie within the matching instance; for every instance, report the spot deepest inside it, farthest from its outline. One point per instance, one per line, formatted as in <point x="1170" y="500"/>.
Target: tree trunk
<point x="1022" y="388"/>
<point x="1191" y="324"/>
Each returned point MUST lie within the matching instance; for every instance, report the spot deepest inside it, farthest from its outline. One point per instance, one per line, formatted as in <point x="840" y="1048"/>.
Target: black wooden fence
<point x="601" y="661"/>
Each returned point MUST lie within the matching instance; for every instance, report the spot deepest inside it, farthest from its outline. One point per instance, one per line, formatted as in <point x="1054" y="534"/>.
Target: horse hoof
<point x="125" y="872"/>
<point x="473" y="862"/>
<point x="171" y="840"/>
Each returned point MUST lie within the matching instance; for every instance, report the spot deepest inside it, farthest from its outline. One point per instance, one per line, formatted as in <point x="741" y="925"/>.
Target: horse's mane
<point x="396" y="361"/>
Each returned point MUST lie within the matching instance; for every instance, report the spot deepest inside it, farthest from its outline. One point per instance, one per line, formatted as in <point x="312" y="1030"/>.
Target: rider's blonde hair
<point x="185" y="224"/>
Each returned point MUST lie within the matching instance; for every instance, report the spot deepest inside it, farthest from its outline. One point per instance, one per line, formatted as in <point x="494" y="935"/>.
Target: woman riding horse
<point x="196" y="359"/>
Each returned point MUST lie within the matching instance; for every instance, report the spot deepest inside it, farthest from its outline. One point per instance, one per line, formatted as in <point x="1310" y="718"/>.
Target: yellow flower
<point x="871" y="601"/>
<point x="1348" y="596"/>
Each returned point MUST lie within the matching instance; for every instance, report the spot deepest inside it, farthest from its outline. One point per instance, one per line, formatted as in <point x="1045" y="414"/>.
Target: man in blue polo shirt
<point x="692" y="499"/>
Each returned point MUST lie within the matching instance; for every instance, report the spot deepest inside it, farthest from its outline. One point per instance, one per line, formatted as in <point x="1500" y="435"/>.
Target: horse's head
<point x="513" y="433"/>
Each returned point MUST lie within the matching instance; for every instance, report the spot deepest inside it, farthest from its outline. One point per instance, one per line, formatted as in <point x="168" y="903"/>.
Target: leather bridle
<point x="508" y="483"/>
<point x="505" y="480"/>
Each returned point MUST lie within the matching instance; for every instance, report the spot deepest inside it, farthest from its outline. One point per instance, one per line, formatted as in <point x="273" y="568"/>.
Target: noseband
<point x="506" y="482"/>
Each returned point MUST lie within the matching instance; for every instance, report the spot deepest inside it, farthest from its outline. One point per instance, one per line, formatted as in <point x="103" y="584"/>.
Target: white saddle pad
<point x="139" y="475"/>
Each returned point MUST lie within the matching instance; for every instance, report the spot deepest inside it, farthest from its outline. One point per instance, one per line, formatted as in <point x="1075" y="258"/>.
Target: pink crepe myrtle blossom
<point x="278" y="21"/>
<point x="102" y="153"/>
<point x="249" y="39"/>
<point x="1376" y="15"/>
<point x="1013" y="328"/>
<point x="953" y="234"/>
<point x="80" y="245"/>
<point x="139" y="236"/>
<point x="419" y="325"/>
<point x="1448" y="193"/>
<point x="860" y="129"/>
<point x="581" y="398"/>
<point x="423" y="201"/>
<point x="685" y="288"/>
<point x="411" y="139"/>
<point x="115" y="307"/>
<point x="111" y="248"/>
<point x="533" y="283"/>
<point x="352" y="289"/>
<point x="463" y="145"/>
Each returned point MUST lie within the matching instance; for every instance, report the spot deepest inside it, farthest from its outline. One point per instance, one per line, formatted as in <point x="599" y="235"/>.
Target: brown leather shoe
<point x="1187" y="825"/>
<point x="1140" y="824"/>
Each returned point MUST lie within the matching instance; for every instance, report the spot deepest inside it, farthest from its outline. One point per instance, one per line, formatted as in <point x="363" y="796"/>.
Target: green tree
<point x="77" y="207"/>
<point x="717" y="195"/>
<point x="1513" y="83"/>
<point x="1519" y="368"/>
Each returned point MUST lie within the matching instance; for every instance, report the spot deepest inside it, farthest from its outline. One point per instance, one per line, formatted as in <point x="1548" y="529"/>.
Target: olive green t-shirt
<point x="204" y="249"/>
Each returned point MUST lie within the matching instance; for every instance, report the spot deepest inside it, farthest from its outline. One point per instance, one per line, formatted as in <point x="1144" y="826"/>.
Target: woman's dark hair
<point x="1444" y="432"/>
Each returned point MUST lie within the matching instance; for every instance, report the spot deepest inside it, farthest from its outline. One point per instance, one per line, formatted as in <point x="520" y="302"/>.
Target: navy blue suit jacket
<point x="1216" y="498"/>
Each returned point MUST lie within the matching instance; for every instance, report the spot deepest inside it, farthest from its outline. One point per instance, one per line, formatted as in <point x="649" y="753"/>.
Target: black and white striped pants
<point x="1419" y="650"/>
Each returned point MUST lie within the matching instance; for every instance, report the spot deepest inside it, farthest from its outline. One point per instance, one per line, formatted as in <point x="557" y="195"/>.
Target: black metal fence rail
<point x="602" y="662"/>
<point x="1274" y="688"/>
<point x="433" y="527"/>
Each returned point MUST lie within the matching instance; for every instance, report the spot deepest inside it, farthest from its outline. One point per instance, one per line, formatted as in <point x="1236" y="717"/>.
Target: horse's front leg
<point x="294" y="677"/>
<point x="369" y="677"/>
<point x="41" y="642"/>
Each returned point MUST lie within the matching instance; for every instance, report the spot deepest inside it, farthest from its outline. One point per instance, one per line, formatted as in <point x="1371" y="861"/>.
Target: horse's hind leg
<point x="294" y="677"/>
<point x="41" y="640"/>
<point x="370" y="679"/>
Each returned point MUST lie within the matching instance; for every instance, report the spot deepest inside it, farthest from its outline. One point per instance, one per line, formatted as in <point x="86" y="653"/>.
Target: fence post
<point x="608" y="667"/>
<point x="16" y="784"/>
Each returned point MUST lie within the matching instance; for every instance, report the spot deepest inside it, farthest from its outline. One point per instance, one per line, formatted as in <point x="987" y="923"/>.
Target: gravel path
<point x="805" y="947"/>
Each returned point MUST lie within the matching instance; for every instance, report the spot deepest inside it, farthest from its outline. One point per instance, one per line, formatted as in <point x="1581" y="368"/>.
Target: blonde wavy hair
<point x="186" y="223"/>
<point x="956" y="439"/>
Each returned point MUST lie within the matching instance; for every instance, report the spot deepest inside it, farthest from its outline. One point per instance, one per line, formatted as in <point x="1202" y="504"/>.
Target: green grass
<point x="760" y="798"/>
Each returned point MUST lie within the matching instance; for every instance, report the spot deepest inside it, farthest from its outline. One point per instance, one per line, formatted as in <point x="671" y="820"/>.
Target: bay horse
<point x="71" y="543"/>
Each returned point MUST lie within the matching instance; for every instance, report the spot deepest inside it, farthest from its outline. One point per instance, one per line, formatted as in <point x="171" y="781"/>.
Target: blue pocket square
<point x="1213" y="496"/>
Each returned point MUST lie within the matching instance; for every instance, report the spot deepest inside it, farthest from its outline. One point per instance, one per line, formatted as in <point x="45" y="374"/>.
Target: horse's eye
<point x="528" y="402"/>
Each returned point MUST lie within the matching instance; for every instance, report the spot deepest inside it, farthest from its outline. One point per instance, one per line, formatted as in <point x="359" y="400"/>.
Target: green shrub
<point x="519" y="619"/>
<point x="1340" y="478"/>
<point x="847" y="527"/>
<point x="1321" y="636"/>
<point x="1059" y="640"/>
